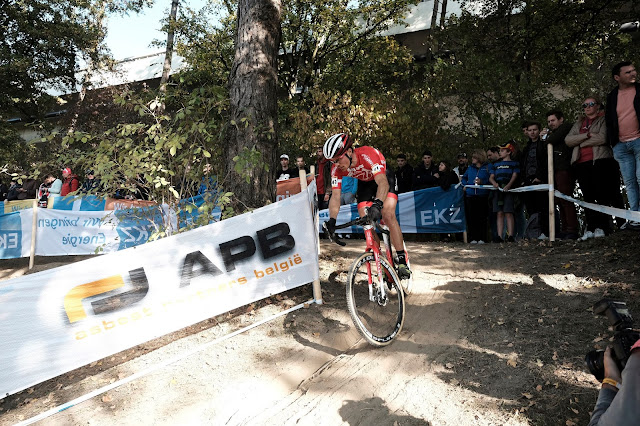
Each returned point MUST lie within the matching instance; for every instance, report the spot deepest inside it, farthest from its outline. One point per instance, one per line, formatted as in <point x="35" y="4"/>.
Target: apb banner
<point x="55" y="321"/>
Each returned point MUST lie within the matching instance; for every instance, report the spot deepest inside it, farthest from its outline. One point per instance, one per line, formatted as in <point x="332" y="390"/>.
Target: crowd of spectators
<point x="593" y="151"/>
<point x="68" y="184"/>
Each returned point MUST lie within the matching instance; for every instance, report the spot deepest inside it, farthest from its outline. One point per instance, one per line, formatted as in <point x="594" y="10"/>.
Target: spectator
<point x="301" y="164"/>
<point x="475" y="199"/>
<point x="285" y="171"/>
<point x="493" y="156"/>
<point x="404" y="174"/>
<point x="446" y="176"/>
<point x="425" y="175"/>
<point x="349" y="190"/>
<point x="618" y="403"/>
<point x="91" y="184"/>
<point x="519" y="213"/>
<point x="504" y="174"/>
<point x="323" y="180"/>
<point x="4" y="189"/>
<point x="594" y="166"/>
<point x="563" y="177"/>
<point x="15" y="189"/>
<point x="70" y="182"/>
<point x="622" y="117"/>
<point x="463" y="163"/>
<point x="29" y="189"/>
<point x="22" y="191"/>
<point x="43" y="191"/>
<point x="533" y="166"/>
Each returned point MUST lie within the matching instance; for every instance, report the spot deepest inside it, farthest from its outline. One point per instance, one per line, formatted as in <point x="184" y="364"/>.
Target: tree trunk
<point x="166" y="69"/>
<point x="433" y="44"/>
<point x="443" y="14"/>
<point x="252" y="94"/>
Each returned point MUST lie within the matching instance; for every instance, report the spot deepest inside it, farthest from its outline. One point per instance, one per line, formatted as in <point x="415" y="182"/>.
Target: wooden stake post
<point x="34" y="229"/>
<point x="317" y="292"/>
<point x="552" y="204"/>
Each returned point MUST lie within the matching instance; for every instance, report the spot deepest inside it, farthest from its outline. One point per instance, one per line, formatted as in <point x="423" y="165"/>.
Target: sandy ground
<point x="495" y="335"/>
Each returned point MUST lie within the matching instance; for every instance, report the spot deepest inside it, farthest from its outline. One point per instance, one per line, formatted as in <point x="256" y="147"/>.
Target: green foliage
<point x="165" y="154"/>
<point x="43" y="45"/>
<point x="516" y="60"/>
<point x="325" y="41"/>
<point x="248" y="159"/>
<point x="392" y="122"/>
<point x="206" y="41"/>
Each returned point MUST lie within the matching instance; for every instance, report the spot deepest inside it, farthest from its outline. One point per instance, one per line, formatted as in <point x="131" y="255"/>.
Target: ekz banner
<point x="55" y="321"/>
<point x="431" y="210"/>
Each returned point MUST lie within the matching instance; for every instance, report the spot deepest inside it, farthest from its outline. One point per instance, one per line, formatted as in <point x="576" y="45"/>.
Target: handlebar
<point x="361" y="221"/>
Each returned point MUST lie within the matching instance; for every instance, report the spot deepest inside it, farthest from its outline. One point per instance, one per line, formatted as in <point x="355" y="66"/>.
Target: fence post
<point x="552" y="204"/>
<point x="34" y="229"/>
<point x="317" y="291"/>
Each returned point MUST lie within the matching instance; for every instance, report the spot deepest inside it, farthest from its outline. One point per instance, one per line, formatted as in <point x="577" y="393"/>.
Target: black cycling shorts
<point x="367" y="190"/>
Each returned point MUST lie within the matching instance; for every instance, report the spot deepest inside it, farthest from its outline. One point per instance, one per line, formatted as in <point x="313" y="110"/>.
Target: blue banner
<point x="10" y="236"/>
<point x="431" y="210"/>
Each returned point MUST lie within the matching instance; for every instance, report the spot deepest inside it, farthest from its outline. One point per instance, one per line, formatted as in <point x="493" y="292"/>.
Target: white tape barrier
<point x="613" y="211"/>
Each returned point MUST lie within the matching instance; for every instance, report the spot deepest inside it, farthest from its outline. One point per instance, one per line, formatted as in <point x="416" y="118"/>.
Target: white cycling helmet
<point x="336" y="146"/>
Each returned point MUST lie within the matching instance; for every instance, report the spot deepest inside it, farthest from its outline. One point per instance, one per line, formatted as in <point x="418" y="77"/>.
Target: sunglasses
<point x="589" y="104"/>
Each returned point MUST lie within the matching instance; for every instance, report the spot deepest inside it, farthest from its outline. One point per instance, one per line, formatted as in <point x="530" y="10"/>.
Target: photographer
<point x="619" y="398"/>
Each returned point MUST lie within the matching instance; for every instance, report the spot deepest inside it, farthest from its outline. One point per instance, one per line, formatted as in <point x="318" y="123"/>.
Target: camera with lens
<point x="624" y="336"/>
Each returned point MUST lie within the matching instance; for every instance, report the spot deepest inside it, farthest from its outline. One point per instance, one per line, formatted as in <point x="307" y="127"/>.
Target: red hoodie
<point x="70" y="184"/>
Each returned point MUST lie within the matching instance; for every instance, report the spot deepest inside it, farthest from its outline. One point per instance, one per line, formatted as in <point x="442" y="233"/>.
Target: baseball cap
<point x="66" y="170"/>
<point x="284" y="156"/>
<point x="508" y="146"/>
<point x="462" y="155"/>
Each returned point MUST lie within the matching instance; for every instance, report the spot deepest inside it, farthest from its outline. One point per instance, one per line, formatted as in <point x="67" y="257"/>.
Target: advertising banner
<point x="15" y="205"/>
<point x="287" y="188"/>
<point x="81" y="232"/>
<point x="431" y="210"/>
<point x="55" y="321"/>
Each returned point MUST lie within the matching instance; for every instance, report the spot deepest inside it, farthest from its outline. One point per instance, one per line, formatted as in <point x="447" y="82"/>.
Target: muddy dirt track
<point x="495" y="335"/>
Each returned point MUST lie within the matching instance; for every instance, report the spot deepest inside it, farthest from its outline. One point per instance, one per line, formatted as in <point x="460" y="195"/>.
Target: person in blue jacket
<point x="475" y="199"/>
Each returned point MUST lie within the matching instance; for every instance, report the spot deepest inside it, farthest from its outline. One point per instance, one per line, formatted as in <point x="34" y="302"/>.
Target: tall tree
<point x="39" y="47"/>
<point x="166" y="68"/>
<point x="253" y="108"/>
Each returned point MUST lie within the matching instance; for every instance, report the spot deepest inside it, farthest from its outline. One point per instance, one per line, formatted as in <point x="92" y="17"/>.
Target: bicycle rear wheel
<point x="380" y="320"/>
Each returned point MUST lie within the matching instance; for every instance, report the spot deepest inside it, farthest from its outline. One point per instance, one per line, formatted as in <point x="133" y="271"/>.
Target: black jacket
<point x="561" y="152"/>
<point x="447" y="179"/>
<point x="423" y="177"/>
<point x="611" y="114"/>
<point x="541" y="162"/>
<point x="404" y="178"/>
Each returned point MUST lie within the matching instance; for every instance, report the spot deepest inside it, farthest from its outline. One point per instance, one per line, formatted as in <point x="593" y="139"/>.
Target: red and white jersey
<point x="370" y="162"/>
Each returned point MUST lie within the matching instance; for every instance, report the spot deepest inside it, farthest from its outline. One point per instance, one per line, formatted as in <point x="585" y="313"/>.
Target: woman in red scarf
<point x="594" y="166"/>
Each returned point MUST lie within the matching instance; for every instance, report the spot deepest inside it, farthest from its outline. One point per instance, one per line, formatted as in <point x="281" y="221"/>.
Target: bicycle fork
<point x="381" y="297"/>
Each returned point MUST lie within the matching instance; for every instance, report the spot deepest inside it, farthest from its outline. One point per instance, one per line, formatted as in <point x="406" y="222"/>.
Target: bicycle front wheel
<point x="378" y="318"/>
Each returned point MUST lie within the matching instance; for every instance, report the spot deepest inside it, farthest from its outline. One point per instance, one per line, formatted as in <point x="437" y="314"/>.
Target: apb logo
<point x="73" y="301"/>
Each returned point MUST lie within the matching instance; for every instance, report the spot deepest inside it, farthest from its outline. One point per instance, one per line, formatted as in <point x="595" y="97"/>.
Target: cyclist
<point x="377" y="184"/>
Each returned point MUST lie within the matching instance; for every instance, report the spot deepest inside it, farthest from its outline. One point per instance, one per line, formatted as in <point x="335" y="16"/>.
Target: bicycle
<point x="375" y="295"/>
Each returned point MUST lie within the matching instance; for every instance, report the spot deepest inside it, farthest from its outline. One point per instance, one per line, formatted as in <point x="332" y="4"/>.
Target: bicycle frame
<point x="373" y="245"/>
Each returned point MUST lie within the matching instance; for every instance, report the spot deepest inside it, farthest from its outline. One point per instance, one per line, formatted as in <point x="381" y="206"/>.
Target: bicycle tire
<point x="379" y="322"/>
